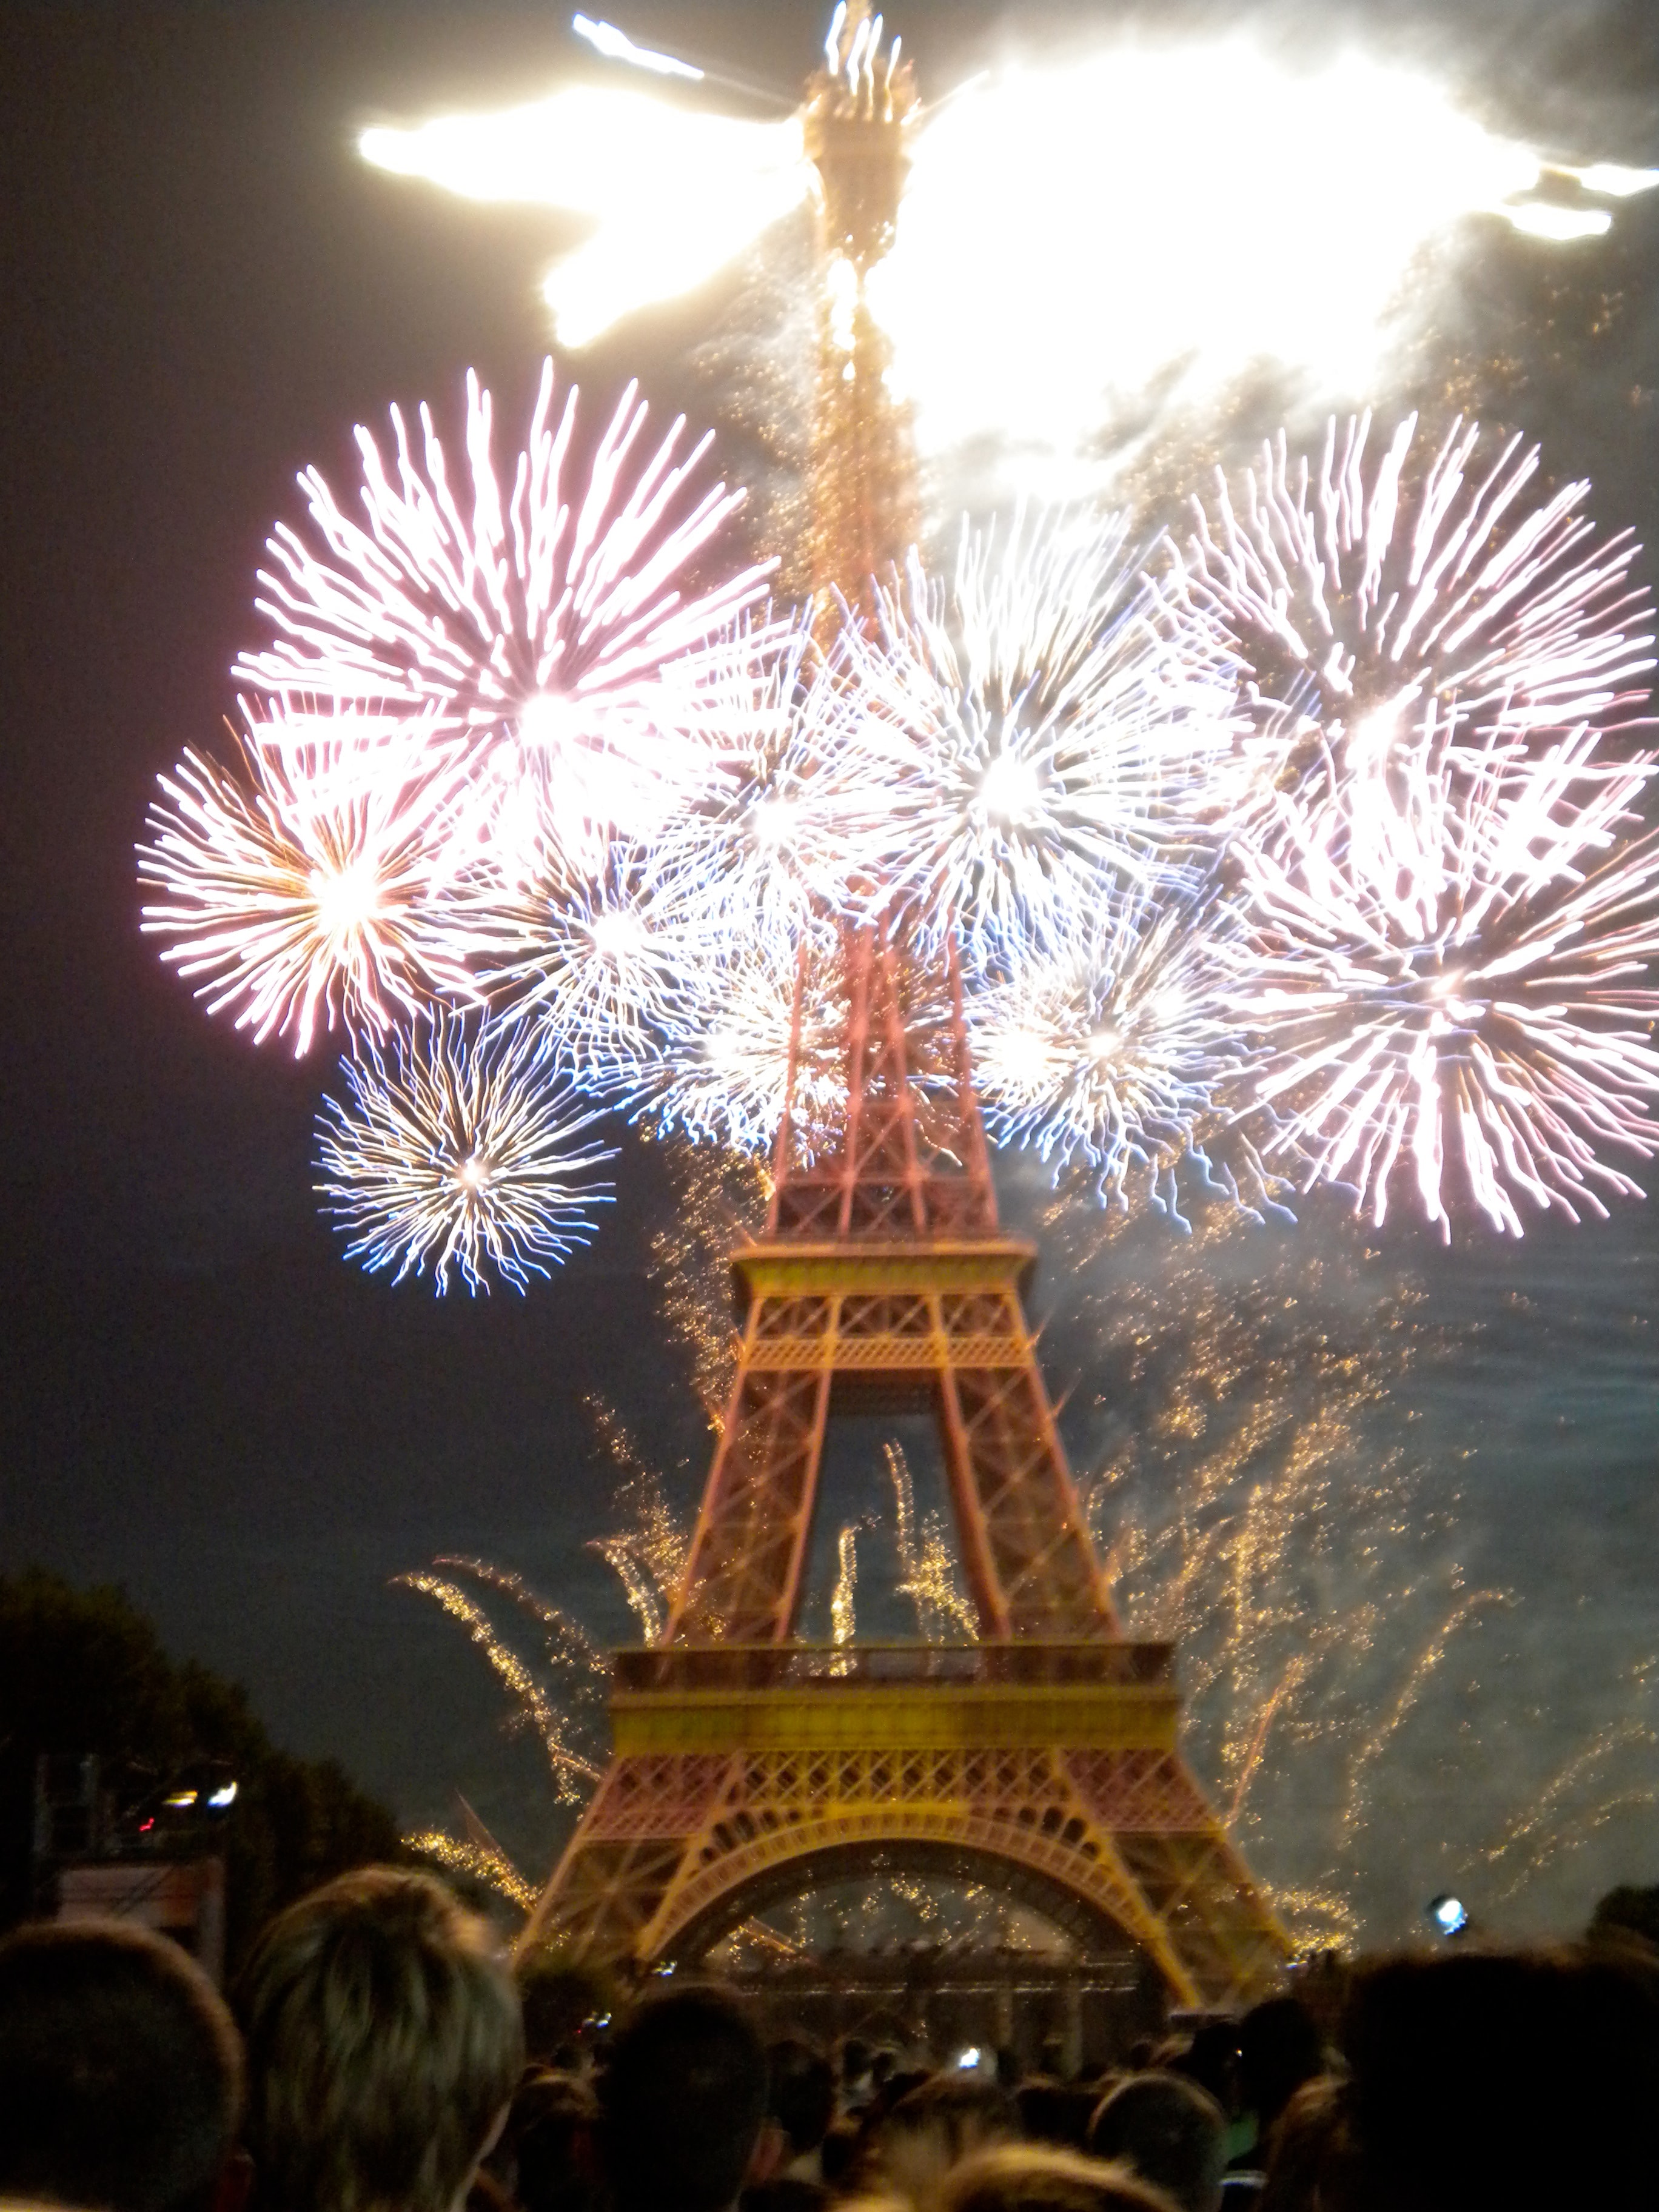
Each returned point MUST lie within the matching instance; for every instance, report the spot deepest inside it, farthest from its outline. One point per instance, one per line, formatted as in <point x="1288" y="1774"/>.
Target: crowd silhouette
<point x="374" y="2059"/>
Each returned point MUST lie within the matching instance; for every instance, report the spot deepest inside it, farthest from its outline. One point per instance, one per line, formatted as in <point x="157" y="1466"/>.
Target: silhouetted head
<point x="120" y="2071"/>
<point x="1169" y="2132"/>
<point x="682" y="2101"/>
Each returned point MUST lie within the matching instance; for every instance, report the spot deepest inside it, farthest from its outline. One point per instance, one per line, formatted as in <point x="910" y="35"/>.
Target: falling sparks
<point x="573" y="1773"/>
<point x="484" y="1864"/>
<point x="458" y="1150"/>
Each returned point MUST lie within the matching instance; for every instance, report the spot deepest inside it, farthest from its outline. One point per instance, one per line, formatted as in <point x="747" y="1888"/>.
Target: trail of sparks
<point x="479" y="1863"/>
<point x="570" y="1770"/>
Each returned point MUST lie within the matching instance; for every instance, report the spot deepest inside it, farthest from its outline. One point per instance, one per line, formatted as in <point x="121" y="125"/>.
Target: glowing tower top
<point x="863" y="478"/>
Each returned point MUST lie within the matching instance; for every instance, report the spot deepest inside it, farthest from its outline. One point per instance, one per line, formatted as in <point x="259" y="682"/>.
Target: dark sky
<point x="205" y="289"/>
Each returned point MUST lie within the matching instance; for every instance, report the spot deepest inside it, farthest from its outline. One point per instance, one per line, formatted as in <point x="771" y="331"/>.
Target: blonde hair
<point x="383" y="2037"/>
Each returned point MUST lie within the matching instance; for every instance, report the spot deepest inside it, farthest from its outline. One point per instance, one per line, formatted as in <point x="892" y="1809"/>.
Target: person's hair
<point x="1279" y="2048"/>
<point x="120" y="2070"/>
<point x="1042" y="2177"/>
<point x="1171" y="2132"/>
<point x="802" y="2091"/>
<point x="682" y="2101"/>
<point x="929" y="2130"/>
<point x="384" y="2036"/>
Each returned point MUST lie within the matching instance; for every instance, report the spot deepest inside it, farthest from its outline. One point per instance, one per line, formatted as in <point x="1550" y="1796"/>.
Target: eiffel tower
<point x="1041" y="1759"/>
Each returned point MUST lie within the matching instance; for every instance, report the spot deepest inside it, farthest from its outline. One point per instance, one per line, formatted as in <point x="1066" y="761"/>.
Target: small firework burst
<point x="1453" y="983"/>
<point x="769" y="834"/>
<point x="551" y="619"/>
<point x="459" y="1149"/>
<point x="1032" y="736"/>
<point x="1406" y="608"/>
<point x="1112" y="1047"/>
<point x="304" y="883"/>
<point x="600" y="964"/>
<point x="730" y="1049"/>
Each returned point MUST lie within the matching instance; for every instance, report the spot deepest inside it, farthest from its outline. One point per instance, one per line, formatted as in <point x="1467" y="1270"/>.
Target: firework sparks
<point x="1180" y="303"/>
<point x="927" y="1566"/>
<point x="459" y="1150"/>
<point x="599" y="962"/>
<point x="304" y="883"/>
<point x="726" y="1052"/>
<point x="1020" y="743"/>
<point x="571" y="1769"/>
<point x="1452" y="983"/>
<point x="1111" y="1048"/>
<point x="647" y="1554"/>
<point x="474" y="1862"/>
<point x="541" y="620"/>
<point x="1416" y="609"/>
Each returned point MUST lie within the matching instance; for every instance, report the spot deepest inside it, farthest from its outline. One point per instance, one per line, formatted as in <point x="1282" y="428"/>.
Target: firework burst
<point x="304" y="884"/>
<point x="599" y="963"/>
<point x="552" y="619"/>
<point x="731" y="1048"/>
<point x="1403" y="606"/>
<point x="460" y="1150"/>
<point x="1112" y="1047"/>
<point x="1452" y="982"/>
<point x="1018" y="745"/>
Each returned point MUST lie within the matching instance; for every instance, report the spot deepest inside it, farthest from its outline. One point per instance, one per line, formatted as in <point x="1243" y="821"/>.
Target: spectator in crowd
<point x="547" y="2159"/>
<point x="930" y="2131"/>
<point x="1279" y="2048"/>
<point x="383" y="2043"/>
<point x="1169" y="2132"/>
<point x="1040" y="2178"/>
<point x="120" y="2074"/>
<point x="1503" y="2080"/>
<point x="682" y="2103"/>
<point x="800" y="2106"/>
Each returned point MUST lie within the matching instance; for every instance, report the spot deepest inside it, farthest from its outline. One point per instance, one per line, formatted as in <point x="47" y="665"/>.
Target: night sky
<point x="205" y="290"/>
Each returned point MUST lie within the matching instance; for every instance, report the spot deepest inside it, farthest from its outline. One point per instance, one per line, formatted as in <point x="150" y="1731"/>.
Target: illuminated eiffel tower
<point x="1041" y="1759"/>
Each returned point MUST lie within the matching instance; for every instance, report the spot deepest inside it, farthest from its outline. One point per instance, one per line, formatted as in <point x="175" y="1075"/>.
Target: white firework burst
<point x="1045" y="729"/>
<point x="600" y="965"/>
<point x="305" y="882"/>
<point x="459" y="1149"/>
<point x="726" y="1062"/>
<point x="1386" y="607"/>
<point x="551" y="618"/>
<point x="1116" y="1049"/>
<point x="1453" y="982"/>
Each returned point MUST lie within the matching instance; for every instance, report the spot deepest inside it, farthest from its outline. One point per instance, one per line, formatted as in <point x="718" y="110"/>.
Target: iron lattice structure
<point x="1043" y="1760"/>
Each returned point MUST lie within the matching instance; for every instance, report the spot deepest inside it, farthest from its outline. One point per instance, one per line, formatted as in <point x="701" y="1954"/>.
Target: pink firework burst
<point x="553" y="619"/>
<point x="1392" y="604"/>
<point x="305" y="882"/>
<point x="1453" y="986"/>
